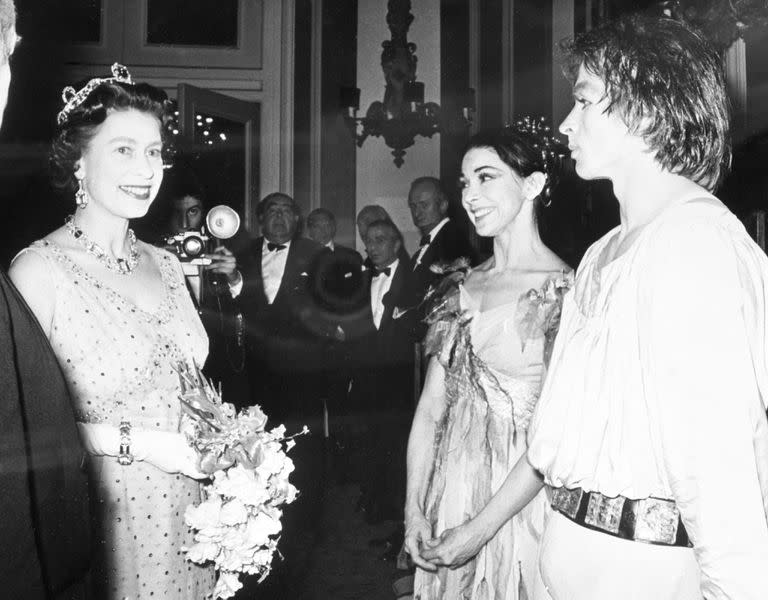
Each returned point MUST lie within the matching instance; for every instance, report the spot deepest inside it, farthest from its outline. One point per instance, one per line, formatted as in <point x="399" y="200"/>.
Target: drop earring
<point x="81" y="196"/>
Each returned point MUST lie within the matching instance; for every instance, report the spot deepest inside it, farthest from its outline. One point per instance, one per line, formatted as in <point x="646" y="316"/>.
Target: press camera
<point x="191" y="246"/>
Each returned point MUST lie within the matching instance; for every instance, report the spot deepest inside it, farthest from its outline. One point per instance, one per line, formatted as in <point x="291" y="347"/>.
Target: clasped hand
<point x="453" y="548"/>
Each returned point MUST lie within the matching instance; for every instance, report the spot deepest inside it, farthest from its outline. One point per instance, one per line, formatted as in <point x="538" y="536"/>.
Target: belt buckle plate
<point x="567" y="501"/>
<point x="604" y="512"/>
<point x="656" y="520"/>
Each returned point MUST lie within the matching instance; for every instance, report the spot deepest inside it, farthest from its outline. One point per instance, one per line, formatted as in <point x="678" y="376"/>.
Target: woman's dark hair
<point x="667" y="85"/>
<point x="83" y="122"/>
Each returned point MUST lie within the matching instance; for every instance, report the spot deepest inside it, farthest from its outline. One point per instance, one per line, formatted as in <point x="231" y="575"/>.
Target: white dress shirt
<point x="432" y="234"/>
<point x="272" y="269"/>
<point x="380" y="285"/>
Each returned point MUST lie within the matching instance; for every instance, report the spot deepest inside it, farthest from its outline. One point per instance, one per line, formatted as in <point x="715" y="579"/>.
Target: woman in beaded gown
<point x="120" y="319"/>
<point x="490" y="332"/>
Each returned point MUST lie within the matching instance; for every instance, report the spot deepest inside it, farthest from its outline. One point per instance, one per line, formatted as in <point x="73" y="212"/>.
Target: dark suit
<point x="284" y="364"/>
<point x="279" y="338"/>
<point x="450" y="243"/>
<point x="383" y="392"/>
<point x="44" y="523"/>
<point x="389" y="347"/>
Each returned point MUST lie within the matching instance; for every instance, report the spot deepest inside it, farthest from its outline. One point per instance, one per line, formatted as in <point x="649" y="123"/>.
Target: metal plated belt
<point x="650" y="520"/>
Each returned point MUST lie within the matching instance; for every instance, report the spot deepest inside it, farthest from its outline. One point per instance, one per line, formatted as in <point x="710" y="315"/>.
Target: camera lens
<point x="193" y="246"/>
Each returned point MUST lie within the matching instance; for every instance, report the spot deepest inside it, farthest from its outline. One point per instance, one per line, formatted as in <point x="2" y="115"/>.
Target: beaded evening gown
<point x="118" y="361"/>
<point x="494" y="361"/>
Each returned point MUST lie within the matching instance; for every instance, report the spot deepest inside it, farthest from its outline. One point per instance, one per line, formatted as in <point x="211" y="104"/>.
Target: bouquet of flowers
<point x="236" y="523"/>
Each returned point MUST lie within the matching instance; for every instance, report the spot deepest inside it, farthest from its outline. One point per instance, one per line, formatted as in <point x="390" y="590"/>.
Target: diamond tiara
<point x="72" y="98"/>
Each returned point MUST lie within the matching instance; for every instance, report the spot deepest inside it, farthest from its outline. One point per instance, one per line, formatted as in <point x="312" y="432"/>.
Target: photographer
<point x="213" y="280"/>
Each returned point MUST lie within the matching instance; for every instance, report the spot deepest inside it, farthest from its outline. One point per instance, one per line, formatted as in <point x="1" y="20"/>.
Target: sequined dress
<point x="117" y="360"/>
<point x="494" y="361"/>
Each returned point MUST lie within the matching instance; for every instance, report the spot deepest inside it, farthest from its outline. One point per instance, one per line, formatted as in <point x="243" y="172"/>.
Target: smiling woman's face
<point x="491" y="192"/>
<point x="122" y="166"/>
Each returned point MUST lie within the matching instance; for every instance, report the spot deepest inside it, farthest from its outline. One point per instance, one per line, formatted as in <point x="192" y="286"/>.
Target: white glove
<point x="100" y="439"/>
<point x="166" y="450"/>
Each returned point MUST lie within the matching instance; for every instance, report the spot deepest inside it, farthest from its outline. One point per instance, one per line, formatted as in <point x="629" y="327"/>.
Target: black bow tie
<point x="385" y="271"/>
<point x="425" y="239"/>
<point x="275" y="247"/>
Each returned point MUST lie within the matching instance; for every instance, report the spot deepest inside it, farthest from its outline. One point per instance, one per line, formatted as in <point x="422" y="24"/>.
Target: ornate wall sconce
<point x="403" y="115"/>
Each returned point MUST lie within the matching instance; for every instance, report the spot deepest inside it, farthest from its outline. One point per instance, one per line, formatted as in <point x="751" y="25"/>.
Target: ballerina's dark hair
<point x="83" y="121"/>
<point x="667" y="85"/>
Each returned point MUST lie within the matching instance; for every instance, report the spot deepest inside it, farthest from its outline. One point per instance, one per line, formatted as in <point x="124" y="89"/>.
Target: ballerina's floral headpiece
<point x="552" y="149"/>
<point x="73" y="99"/>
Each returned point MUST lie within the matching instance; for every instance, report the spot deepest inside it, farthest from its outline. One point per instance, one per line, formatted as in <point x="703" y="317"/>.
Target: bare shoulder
<point x="28" y="264"/>
<point x="31" y="273"/>
<point x="31" y="262"/>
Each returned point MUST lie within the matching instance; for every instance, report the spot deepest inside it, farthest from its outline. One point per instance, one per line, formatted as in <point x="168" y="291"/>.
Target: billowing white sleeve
<point x="704" y="401"/>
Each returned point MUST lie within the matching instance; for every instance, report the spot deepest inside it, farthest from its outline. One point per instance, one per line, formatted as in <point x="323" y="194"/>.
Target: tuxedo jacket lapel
<point x="258" y="280"/>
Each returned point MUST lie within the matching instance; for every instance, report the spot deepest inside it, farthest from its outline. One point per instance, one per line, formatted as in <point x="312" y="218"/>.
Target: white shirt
<point x="380" y="285"/>
<point x="657" y="385"/>
<point x="432" y="234"/>
<point x="272" y="269"/>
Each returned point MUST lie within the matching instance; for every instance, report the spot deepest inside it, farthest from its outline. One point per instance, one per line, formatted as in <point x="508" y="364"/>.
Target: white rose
<point x="234" y="538"/>
<point x="259" y="528"/>
<point x="243" y="484"/>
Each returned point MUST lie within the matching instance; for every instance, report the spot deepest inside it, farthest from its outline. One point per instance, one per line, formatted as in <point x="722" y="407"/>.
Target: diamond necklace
<point x="124" y="266"/>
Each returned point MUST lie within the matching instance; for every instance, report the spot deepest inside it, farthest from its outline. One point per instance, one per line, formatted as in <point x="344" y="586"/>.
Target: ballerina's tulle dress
<point x="494" y="362"/>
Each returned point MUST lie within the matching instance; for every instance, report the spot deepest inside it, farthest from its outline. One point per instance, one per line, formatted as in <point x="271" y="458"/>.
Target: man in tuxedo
<point x="43" y="489"/>
<point x="284" y="364"/>
<point x="276" y="310"/>
<point x="442" y="241"/>
<point x="383" y="387"/>
<point x="387" y="282"/>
